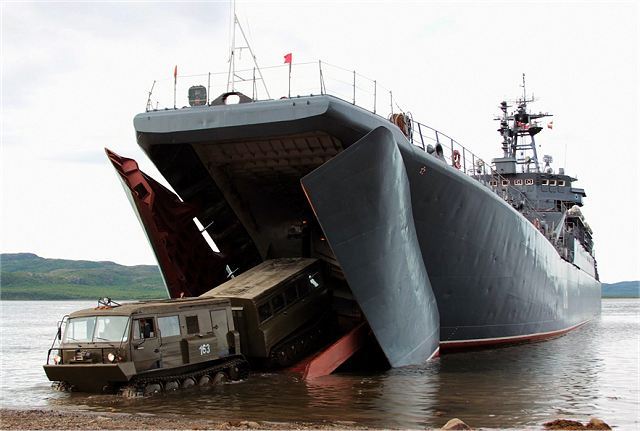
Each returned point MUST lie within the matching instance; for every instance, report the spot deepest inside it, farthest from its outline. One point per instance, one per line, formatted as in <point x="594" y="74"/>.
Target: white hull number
<point x="205" y="349"/>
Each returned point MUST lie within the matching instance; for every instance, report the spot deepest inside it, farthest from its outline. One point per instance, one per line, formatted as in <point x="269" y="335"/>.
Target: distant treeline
<point x="27" y="276"/>
<point x="623" y="289"/>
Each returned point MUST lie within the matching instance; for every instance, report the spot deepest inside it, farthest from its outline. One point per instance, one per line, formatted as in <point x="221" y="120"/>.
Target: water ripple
<point x="592" y="371"/>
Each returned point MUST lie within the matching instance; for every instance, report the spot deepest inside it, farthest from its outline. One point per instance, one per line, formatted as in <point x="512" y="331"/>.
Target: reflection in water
<point x="519" y="385"/>
<point x="592" y="371"/>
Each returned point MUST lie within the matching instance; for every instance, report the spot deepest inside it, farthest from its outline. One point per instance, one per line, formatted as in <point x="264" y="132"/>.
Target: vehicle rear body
<point x="275" y="301"/>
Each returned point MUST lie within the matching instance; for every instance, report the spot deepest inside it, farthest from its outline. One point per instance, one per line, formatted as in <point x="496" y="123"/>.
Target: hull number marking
<point x="205" y="349"/>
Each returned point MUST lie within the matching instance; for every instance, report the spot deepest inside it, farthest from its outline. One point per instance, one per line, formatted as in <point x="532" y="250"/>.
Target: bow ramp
<point x="187" y="264"/>
<point x="362" y="200"/>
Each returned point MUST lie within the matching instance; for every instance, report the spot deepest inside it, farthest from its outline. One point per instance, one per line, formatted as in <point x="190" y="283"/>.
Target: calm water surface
<point x="592" y="371"/>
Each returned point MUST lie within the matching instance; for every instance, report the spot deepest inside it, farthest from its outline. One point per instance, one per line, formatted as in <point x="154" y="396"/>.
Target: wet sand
<point x="41" y="419"/>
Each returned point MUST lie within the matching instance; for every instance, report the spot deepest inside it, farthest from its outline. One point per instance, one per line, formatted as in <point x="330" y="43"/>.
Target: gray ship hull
<point x="495" y="276"/>
<point x="425" y="248"/>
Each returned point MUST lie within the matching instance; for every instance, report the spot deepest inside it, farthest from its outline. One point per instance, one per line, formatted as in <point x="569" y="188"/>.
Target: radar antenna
<point x="518" y="130"/>
<point x="236" y="51"/>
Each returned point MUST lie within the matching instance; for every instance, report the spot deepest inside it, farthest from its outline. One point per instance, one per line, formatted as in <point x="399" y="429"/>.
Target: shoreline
<point x="51" y="419"/>
<point x="48" y="419"/>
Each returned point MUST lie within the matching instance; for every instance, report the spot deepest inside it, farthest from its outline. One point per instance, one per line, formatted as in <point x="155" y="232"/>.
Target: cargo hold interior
<point x="253" y="207"/>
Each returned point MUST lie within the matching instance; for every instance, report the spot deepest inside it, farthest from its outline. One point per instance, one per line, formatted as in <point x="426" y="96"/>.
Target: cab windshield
<point x="96" y="329"/>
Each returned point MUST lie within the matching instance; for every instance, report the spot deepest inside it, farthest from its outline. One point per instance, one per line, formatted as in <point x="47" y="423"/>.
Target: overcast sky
<point x="75" y="74"/>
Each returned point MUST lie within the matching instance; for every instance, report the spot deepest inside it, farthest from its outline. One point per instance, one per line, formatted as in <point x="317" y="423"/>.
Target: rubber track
<point x="137" y="384"/>
<point x="319" y="329"/>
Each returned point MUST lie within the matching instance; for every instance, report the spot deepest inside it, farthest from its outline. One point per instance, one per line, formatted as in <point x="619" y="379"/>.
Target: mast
<point x="232" y="44"/>
<point x="233" y="77"/>
<point x="518" y="130"/>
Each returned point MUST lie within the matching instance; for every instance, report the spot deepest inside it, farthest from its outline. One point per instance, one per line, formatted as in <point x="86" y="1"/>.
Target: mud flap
<point x="362" y="201"/>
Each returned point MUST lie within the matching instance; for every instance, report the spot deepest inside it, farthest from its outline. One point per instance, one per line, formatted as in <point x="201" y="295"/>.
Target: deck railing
<point x="309" y="78"/>
<point x="322" y="78"/>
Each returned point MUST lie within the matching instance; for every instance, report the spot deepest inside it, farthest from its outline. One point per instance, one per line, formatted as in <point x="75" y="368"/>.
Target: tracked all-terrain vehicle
<point x="272" y="315"/>
<point x="146" y="347"/>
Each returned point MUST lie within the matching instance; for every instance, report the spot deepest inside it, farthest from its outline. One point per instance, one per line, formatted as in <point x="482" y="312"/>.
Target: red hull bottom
<point x="457" y="345"/>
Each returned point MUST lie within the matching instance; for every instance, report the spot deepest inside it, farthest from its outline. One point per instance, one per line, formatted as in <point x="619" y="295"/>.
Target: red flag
<point x="550" y="125"/>
<point x="288" y="58"/>
<point x="175" y="72"/>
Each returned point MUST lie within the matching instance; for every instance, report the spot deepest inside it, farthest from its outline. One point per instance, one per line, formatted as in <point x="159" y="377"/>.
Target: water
<point x="592" y="371"/>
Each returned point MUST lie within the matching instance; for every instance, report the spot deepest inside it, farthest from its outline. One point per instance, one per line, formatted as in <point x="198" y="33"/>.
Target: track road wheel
<point x="171" y="386"/>
<point x="282" y="358"/>
<point x="62" y="386"/>
<point x="152" y="388"/>
<point x="220" y="378"/>
<point x="291" y="353"/>
<point x="234" y="373"/>
<point x="188" y="382"/>
<point x="204" y="380"/>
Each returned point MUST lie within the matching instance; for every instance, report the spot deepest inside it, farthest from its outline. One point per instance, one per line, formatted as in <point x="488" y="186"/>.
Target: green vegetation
<point x="623" y="289"/>
<point x="27" y="276"/>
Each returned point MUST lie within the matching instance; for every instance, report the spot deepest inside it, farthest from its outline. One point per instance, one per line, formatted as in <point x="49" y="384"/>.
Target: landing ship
<point x="428" y="244"/>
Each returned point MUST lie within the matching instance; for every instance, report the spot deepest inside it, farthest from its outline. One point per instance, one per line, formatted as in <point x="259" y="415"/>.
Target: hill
<point x="623" y="289"/>
<point x="28" y="276"/>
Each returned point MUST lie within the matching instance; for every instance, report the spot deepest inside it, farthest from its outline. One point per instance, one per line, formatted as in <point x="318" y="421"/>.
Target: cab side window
<point x="303" y="287"/>
<point x="277" y="302"/>
<point x="291" y="294"/>
<point x="169" y="326"/>
<point x="264" y="311"/>
<point x="144" y="328"/>
<point x="192" y="325"/>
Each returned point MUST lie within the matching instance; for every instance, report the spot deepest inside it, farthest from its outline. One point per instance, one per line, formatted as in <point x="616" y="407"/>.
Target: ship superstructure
<point x="547" y="198"/>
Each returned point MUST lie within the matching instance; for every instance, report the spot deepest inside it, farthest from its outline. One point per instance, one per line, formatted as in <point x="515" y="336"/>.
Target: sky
<point x="73" y="76"/>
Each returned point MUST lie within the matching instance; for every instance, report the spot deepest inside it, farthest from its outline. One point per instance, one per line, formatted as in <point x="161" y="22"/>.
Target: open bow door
<point x="188" y="265"/>
<point x="362" y="201"/>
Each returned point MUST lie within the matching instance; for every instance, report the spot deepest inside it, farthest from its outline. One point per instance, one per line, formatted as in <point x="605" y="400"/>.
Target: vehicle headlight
<point x="111" y="357"/>
<point x="57" y="359"/>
